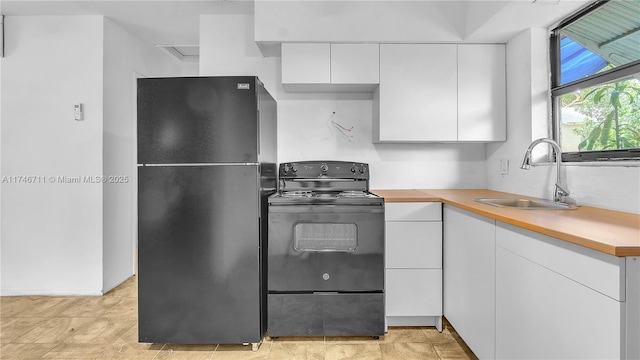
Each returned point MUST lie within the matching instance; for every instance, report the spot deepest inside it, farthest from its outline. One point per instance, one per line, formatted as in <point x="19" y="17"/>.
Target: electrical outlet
<point x="504" y="166"/>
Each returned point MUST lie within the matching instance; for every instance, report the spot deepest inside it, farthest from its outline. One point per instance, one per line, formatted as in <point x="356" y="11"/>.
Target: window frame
<point x="557" y="90"/>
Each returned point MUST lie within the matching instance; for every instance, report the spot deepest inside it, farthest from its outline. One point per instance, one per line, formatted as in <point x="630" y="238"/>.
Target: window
<point x="595" y="85"/>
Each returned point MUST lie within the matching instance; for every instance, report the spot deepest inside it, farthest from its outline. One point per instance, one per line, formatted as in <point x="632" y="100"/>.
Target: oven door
<point x="316" y="248"/>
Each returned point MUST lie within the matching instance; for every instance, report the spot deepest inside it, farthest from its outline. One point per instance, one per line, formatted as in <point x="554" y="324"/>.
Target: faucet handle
<point x="560" y="193"/>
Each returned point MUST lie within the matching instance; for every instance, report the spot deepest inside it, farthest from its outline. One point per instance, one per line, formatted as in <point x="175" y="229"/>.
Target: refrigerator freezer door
<point x="199" y="254"/>
<point x="197" y="120"/>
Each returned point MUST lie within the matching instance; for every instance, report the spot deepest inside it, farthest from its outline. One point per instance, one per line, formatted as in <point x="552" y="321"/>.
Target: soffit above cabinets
<point x="479" y="21"/>
<point x="161" y="22"/>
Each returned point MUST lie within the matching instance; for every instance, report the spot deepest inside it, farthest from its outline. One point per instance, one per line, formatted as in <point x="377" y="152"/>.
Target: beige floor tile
<point x="131" y="335"/>
<point x="101" y="331"/>
<point x="408" y="351"/>
<point x="75" y="351"/>
<point x="241" y="352"/>
<point x="353" y="352"/>
<point x="435" y="337"/>
<point x="37" y="306"/>
<point x="186" y="352"/>
<point x="297" y="351"/>
<point x="350" y="340"/>
<point x="125" y="308"/>
<point x="54" y="330"/>
<point x="124" y="350"/>
<point x="404" y="334"/>
<point x="24" y="351"/>
<point x="451" y="351"/>
<point x="12" y="328"/>
<point x="10" y="306"/>
<point x="90" y="306"/>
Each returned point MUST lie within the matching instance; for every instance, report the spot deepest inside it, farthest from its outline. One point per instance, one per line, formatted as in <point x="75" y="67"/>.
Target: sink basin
<point x="525" y="204"/>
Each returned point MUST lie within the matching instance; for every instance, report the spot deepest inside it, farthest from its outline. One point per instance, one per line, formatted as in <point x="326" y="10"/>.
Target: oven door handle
<point x="322" y="208"/>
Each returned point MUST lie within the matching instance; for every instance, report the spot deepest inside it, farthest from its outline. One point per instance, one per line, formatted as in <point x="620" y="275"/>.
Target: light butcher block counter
<point x="612" y="232"/>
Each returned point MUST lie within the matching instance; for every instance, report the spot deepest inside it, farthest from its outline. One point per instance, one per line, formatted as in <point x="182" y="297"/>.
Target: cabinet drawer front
<point x="599" y="271"/>
<point x="430" y="211"/>
<point x="413" y="292"/>
<point x="413" y="245"/>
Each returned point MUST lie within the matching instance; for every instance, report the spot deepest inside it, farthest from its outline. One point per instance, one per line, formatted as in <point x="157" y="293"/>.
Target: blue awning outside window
<point x="576" y="62"/>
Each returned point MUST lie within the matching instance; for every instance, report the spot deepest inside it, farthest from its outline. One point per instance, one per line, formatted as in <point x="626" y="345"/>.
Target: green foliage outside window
<point x="611" y="115"/>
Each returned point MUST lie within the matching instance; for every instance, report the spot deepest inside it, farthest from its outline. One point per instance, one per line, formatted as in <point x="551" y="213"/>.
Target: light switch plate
<point x="77" y="112"/>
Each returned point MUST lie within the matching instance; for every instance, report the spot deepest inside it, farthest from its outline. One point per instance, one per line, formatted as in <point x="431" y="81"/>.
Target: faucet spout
<point x="560" y="191"/>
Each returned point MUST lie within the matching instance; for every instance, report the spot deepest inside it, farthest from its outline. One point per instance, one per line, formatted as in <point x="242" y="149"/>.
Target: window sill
<point x="609" y="163"/>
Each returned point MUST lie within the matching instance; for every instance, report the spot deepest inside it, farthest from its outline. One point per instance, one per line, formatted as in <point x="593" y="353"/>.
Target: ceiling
<point x="158" y="22"/>
<point x="176" y="22"/>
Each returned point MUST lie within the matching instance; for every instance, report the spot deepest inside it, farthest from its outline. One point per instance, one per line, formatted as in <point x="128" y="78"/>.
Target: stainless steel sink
<point x="526" y="204"/>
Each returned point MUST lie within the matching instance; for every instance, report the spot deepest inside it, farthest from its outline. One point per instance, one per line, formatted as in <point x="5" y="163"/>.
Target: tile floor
<point x="105" y="327"/>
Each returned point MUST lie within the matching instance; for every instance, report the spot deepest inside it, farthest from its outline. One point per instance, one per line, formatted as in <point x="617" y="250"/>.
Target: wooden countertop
<point x="613" y="232"/>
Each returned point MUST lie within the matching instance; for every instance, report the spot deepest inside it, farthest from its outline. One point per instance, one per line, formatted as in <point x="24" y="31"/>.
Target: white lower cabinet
<point x="556" y="300"/>
<point x="413" y="264"/>
<point x="412" y="293"/>
<point x="512" y="293"/>
<point x="469" y="278"/>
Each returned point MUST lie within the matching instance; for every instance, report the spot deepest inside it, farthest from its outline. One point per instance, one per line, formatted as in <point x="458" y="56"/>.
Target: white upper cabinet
<point x="481" y="93"/>
<point x="426" y="92"/>
<point x="311" y="67"/>
<point x="417" y="94"/>
<point x="440" y="92"/>
<point x="306" y="63"/>
<point x="355" y="64"/>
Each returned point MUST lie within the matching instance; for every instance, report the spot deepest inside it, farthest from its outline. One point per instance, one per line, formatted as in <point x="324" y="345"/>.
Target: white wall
<point x="124" y="57"/>
<point x="612" y="187"/>
<point x="51" y="231"/>
<point x="70" y="238"/>
<point x="304" y="130"/>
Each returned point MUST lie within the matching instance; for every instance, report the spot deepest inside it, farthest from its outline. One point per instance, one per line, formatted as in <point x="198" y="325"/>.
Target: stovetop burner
<point x="297" y="194"/>
<point x="326" y="194"/>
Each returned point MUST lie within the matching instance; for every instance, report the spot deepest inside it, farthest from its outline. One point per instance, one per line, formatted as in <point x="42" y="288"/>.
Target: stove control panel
<point x="324" y="169"/>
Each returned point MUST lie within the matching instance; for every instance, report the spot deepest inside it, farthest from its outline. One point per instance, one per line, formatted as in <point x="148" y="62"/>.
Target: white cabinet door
<point x="417" y="98"/>
<point x="355" y="63"/>
<point x="413" y="292"/>
<point x="541" y="314"/>
<point x="469" y="278"/>
<point x="306" y="63"/>
<point x="441" y="92"/>
<point x="558" y="294"/>
<point x="481" y="92"/>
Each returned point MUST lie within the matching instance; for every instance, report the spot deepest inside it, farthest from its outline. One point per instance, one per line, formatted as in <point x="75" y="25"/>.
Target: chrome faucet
<point x="560" y="191"/>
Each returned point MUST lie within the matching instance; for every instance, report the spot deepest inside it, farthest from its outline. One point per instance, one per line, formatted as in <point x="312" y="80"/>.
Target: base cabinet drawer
<point x="413" y="292"/>
<point x="413" y="244"/>
<point x="413" y="211"/>
<point x="318" y="314"/>
<point x="413" y="264"/>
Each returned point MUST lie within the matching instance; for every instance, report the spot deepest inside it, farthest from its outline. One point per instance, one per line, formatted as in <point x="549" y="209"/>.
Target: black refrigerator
<point x="206" y="165"/>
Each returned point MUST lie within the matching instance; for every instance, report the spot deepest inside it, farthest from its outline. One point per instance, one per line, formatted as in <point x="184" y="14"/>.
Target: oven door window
<point x="323" y="237"/>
